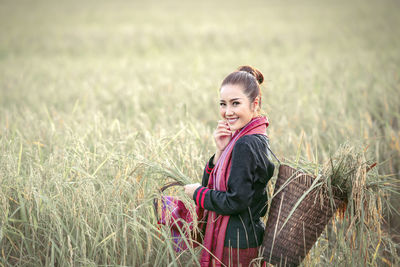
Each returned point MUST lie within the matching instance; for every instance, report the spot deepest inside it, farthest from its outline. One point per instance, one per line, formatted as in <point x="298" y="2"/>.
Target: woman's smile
<point x="232" y="120"/>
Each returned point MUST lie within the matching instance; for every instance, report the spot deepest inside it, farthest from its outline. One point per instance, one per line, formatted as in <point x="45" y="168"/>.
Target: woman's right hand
<point x="222" y="136"/>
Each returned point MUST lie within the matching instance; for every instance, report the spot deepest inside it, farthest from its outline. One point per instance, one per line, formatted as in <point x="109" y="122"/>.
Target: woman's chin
<point x="233" y="129"/>
<point x="236" y="126"/>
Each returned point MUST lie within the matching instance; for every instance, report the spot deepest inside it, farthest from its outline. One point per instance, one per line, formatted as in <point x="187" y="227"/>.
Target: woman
<point x="233" y="189"/>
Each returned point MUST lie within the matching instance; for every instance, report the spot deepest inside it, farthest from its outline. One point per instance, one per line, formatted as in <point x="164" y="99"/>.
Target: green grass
<point x="88" y="90"/>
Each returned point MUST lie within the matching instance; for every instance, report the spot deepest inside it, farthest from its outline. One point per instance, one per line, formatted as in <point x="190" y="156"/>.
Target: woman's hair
<point x="250" y="78"/>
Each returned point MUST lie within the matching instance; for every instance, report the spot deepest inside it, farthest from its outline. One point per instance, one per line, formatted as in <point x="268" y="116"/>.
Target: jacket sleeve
<point x="207" y="171"/>
<point x="240" y="185"/>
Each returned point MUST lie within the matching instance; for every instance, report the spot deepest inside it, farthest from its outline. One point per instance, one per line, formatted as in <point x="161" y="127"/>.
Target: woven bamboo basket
<point x="288" y="245"/>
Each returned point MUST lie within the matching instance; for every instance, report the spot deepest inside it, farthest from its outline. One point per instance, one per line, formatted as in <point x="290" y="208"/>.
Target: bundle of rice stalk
<point x="166" y="170"/>
<point x="307" y="196"/>
<point x="350" y="175"/>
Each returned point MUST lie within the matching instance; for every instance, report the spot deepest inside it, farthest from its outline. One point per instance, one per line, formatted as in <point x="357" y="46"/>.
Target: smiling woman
<point x="233" y="190"/>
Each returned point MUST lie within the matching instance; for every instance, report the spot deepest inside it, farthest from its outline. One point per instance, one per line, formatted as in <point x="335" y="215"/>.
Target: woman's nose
<point x="229" y="111"/>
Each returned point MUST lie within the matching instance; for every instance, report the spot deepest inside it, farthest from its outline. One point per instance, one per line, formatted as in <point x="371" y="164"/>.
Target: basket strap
<point x="162" y="189"/>
<point x="273" y="153"/>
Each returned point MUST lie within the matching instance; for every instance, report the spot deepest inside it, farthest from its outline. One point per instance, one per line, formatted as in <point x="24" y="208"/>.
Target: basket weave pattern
<point x="289" y="245"/>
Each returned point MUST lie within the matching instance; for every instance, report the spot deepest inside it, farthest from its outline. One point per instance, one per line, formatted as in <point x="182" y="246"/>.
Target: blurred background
<point x="83" y="80"/>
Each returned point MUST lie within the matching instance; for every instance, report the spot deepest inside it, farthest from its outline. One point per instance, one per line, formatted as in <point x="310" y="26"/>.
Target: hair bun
<point x="253" y="71"/>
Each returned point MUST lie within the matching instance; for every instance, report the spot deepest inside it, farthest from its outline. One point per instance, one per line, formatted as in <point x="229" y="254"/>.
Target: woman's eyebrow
<point x="231" y="100"/>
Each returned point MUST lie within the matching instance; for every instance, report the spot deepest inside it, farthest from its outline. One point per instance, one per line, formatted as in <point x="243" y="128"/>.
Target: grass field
<point x="88" y="90"/>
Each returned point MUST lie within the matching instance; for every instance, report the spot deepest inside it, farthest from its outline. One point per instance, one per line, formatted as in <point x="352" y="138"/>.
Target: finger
<point x="222" y="123"/>
<point x="220" y="133"/>
<point x="223" y="135"/>
<point x="223" y="130"/>
<point x="223" y="126"/>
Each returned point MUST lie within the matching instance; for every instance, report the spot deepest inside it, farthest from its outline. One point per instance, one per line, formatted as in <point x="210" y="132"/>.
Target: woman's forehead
<point x="230" y="92"/>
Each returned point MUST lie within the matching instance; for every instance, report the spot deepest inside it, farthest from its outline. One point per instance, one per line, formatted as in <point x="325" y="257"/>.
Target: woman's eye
<point x="222" y="104"/>
<point x="236" y="103"/>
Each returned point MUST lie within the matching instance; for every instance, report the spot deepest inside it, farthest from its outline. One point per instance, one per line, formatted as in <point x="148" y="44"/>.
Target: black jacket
<point x="246" y="198"/>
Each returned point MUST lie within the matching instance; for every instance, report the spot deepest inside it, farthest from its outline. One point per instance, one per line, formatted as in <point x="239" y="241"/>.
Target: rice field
<point x="93" y="93"/>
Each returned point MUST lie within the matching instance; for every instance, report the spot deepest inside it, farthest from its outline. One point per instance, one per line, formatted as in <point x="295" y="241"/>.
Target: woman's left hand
<point x="190" y="188"/>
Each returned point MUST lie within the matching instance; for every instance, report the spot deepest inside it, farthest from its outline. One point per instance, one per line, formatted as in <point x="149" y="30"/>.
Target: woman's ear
<point x="256" y="104"/>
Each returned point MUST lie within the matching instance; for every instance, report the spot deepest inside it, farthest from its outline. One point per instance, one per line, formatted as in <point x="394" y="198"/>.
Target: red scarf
<point x="214" y="237"/>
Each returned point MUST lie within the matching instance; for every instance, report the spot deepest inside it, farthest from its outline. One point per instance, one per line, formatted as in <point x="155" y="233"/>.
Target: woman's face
<point x="235" y="106"/>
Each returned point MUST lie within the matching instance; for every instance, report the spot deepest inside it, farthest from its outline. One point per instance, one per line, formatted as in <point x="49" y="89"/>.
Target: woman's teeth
<point x="232" y="120"/>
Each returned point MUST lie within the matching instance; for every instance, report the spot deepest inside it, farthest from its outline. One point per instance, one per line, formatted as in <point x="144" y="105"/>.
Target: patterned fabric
<point x="234" y="257"/>
<point x="173" y="214"/>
